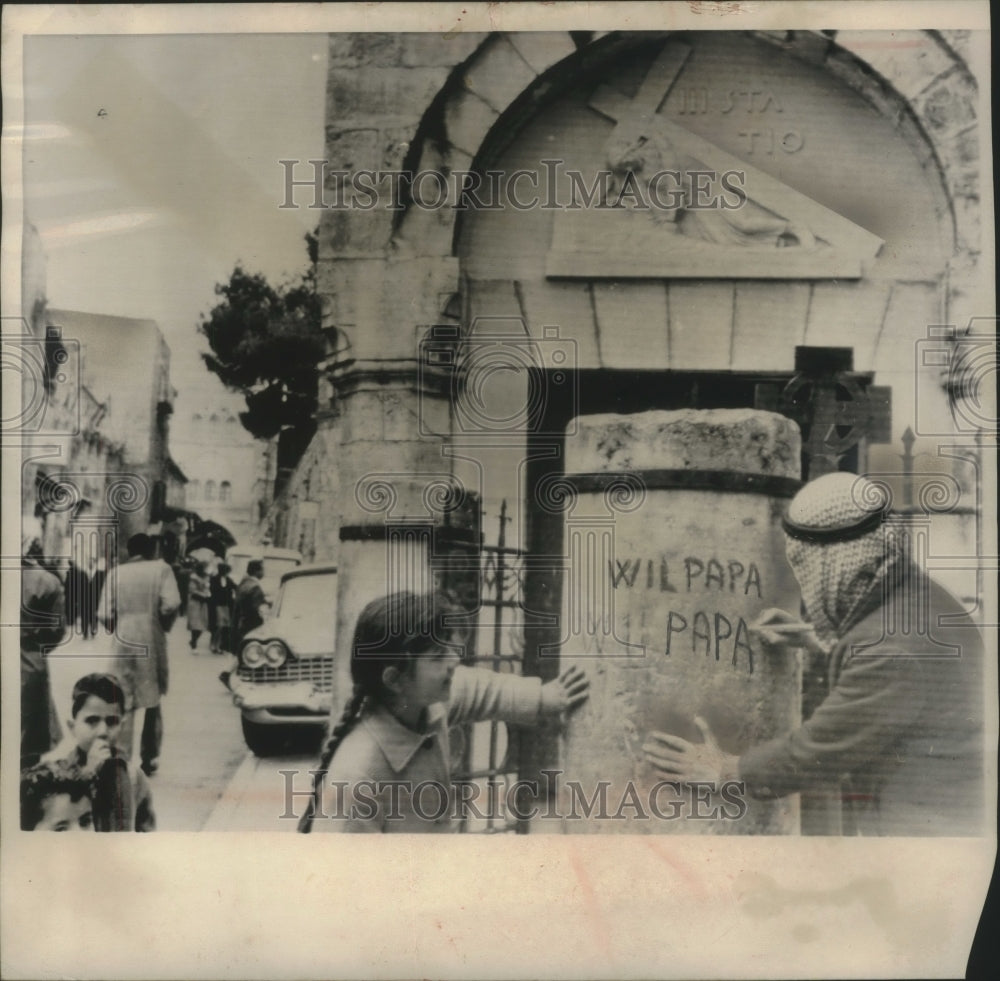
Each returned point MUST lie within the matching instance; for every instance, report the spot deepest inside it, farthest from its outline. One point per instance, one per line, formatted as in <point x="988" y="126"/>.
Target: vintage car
<point x="283" y="683"/>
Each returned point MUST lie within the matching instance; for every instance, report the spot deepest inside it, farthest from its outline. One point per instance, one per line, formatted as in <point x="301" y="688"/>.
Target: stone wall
<point x="296" y="518"/>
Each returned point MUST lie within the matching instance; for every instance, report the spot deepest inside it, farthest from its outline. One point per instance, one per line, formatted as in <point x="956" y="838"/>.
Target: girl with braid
<point x="385" y="766"/>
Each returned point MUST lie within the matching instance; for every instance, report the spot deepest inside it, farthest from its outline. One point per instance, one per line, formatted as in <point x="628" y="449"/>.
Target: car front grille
<point x="317" y="670"/>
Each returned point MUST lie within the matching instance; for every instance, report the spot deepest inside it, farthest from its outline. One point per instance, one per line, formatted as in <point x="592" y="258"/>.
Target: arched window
<point x="224" y="490"/>
<point x="193" y="489"/>
<point x="209" y="490"/>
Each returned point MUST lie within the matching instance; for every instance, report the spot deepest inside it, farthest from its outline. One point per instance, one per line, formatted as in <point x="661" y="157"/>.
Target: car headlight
<point x="253" y="654"/>
<point x="275" y="654"/>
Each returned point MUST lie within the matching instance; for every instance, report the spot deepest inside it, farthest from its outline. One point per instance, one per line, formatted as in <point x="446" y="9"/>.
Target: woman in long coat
<point x="221" y="609"/>
<point x="199" y="594"/>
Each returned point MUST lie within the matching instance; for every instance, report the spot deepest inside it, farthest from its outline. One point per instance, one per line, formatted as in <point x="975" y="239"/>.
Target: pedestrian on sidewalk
<point x="43" y="627"/>
<point x="249" y="609"/>
<point x="182" y="572"/>
<point x="75" y="589"/>
<point x="97" y="573"/>
<point x="199" y="594"/>
<point x="142" y="601"/>
<point x="223" y="597"/>
<point x="250" y="605"/>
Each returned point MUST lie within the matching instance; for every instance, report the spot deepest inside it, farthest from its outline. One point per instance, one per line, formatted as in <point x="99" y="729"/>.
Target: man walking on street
<point x="250" y="603"/>
<point x="142" y="602"/>
<point x="223" y="591"/>
<point x="248" y="609"/>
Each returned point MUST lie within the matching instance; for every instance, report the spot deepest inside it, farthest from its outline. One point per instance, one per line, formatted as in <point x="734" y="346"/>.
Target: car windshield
<point x="310" y="599"/>
<point x="275" y="568"/>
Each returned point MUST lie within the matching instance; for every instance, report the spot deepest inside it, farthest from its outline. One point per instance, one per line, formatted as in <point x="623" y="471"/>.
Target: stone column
<point x="673" y="547"/>
<point x="403" y="514"/>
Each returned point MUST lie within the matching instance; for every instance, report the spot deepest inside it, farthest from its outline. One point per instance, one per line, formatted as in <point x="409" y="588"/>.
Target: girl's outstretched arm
<point x="478" y="694"/>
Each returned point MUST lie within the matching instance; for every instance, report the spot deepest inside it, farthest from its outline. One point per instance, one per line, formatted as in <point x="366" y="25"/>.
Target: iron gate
<point x="485" y="753"/>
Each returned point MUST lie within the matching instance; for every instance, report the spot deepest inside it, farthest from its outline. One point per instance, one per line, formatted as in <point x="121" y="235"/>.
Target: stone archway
<point x="918" y="79"/>
<point x="711" y="307"/>
<point x="419" y="102"/>
<point x="424" y="103"/>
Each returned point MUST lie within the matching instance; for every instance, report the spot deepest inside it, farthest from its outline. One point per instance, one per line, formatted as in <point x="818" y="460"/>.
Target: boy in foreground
<point x="122" y="800"/>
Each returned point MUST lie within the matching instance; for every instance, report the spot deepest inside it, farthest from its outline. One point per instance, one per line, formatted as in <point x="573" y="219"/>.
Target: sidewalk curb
<point x="224" y="813"/>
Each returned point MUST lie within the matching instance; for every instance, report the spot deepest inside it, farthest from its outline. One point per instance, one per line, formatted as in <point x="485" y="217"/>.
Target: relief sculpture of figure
<point x="647" y="154"/>
<point x="898" y="736"/>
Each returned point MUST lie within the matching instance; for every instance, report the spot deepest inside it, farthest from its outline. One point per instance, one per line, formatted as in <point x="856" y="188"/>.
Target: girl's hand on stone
<point x="570" y="690"/>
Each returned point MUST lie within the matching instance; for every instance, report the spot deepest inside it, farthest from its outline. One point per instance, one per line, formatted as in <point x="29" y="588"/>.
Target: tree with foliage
<point x="265" y="343"/>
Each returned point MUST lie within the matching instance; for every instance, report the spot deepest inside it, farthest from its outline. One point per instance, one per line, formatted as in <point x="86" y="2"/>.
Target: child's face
<point x="97" y="719"/>
<point x="429" y="679"/>
<point x="61" y="813"/>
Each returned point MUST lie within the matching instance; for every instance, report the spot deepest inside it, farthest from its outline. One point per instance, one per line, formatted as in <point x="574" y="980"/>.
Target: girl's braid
<point x="348" y="720"/>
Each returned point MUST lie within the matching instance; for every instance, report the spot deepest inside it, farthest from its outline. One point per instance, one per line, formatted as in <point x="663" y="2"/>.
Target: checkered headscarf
<point x="838" y="551"/>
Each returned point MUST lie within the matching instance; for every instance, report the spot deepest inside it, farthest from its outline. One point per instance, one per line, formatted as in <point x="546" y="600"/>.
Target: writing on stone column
<point x="711" y="633"/>
<point x="690" y="573"/>
<point x="705" y="632"/>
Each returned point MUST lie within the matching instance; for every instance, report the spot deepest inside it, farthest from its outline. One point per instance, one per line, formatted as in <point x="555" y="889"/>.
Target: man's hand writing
<point x="778" y="628"/>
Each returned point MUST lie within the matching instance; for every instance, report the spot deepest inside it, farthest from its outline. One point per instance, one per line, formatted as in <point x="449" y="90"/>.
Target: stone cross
<point x="637" y="116"/>
<point x="832" y="406"/>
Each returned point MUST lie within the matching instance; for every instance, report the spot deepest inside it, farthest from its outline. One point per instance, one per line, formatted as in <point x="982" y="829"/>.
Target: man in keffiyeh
<point x="898" y="735"/>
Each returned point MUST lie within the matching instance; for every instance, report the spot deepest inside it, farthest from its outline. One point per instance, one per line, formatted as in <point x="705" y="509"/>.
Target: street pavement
<point x="262" y="798"/>
<point x="207" y="778"/>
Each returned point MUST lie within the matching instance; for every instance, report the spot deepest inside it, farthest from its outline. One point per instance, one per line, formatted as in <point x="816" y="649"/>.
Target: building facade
<point x="71" y="463"/>
<point x="301" y="516"/>
<point x="225" y="465"/>
<point x="125" y="363"/>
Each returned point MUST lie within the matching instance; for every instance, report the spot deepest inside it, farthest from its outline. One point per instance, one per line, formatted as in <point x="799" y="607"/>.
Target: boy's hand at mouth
<point x="100" y="750"/>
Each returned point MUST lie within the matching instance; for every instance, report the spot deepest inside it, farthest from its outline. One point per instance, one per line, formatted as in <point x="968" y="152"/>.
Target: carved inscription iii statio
<point x="764" y="133"/>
